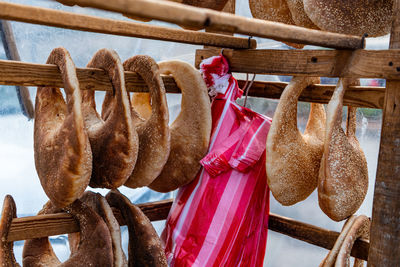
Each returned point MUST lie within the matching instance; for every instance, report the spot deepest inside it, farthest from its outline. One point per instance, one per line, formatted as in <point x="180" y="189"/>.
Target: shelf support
<point x="385" y="228"/>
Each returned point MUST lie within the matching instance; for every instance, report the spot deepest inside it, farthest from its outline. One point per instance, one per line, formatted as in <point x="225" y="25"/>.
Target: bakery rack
<point x="348" y="60"/>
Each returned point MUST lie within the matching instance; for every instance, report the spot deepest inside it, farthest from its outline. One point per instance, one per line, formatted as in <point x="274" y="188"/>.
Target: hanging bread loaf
<point x="273" y="10"/>
<point x="299" y="16"/>
<point x="100" y="205"/>
<point x="354" y="228"/>
<point x="293" y="159"/>
<point x="94" y="249"/>
<point x="343" y="177"/>
<point x="112" y="136"/>
<point x="8" y="213"/>
<point x="153" y="131"/>
<point x="190" y="132"/>
<point x="63" y="157"/>
<point x="145" y="248"/>
<point x="355" y="17"/>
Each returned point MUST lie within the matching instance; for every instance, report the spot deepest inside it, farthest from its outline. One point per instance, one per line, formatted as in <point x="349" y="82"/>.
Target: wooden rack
<point x="383" y="249"/>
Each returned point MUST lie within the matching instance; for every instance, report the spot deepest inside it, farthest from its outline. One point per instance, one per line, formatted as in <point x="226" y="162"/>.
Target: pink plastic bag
<point x="221" y="218"/>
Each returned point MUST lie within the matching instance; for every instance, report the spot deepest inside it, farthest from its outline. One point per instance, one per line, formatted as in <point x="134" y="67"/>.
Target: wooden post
<point x="385" y="229"/>
<point x="12" y="54"/>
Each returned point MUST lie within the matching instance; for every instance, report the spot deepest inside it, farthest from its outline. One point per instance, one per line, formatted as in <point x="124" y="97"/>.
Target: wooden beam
<point x="69" y="20"/>
<point x="385" y="230"/>
<point x="62" y="223"/>
<point x="31" y="74"/>
<point x="11" y="50"/>
<point x="201" y="17"/>
<point x="321" y="63"/>
<point x="313" y="235"/>
<point x="356" y="96"/>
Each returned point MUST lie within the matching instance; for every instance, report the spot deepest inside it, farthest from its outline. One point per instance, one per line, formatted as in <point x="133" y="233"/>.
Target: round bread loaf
<point x="94" y="249"/>
<point x="343" y="176"/>
<point x="63" y="158"/>
<point x="292" y="158"/>
<point x="299" y="16"/>
<point x="8" y="213"/>
<point x="153" y="130"/>
<point x="355" y="17"/>
<point x="190" y="132"/>
<point x="113" y="137"/>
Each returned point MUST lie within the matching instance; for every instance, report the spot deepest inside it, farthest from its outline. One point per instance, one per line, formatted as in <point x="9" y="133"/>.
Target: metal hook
<point x="222" y="51"/>
<point x="249" y="42"/>
<point x="248" y="88"/>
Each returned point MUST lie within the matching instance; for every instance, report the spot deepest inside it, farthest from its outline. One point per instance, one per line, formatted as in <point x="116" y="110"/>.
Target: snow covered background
<point x="18" y="176"/>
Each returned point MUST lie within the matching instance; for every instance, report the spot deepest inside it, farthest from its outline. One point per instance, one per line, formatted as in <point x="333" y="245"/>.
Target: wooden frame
<point x="385" y="236"/>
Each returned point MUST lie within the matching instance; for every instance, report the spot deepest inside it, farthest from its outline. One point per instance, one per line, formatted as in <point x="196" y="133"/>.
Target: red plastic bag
<point x="221" y="218"/>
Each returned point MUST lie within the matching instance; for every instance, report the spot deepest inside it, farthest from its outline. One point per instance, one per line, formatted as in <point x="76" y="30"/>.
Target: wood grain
<point x="11" y="50"/>
<point x="61" y="223"/>
<point x="69" y="20"/>
<point x="356" y="96"/>
<point x="314" y="235"/>
<point x="201" y="17"/>
<point x="321" y="63"/>
<point x="30" y="74"/>
<point x="385" y="228"/>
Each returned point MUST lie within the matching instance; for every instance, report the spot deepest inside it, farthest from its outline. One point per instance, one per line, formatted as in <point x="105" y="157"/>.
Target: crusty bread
<point x="343" y="176"/>
<point x="113" y="137"/>
<point x="145" y="248"/>
<point x="190" y="132"/>
<point x="153" y="131"/>
<point x="94" y="249"/>
<point x="63" y="157"/>
<point x="273" y="10"/>
<point x="355" y="17"/>
<point x="299" y="16"/>
<point x="100" y="205"/>
<point x="293" y="159"/>
<point x="8" y="213"/>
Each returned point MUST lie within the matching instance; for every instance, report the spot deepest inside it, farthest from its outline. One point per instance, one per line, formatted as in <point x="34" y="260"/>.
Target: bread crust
<point x="145" y="248"/>
<point x="94" y="249"/>
<point x="113" y="137"/>
<point x="153" y="130"/>
<point x="343" y="176"/>
<point x="63" y="157"/>
<point x="355" y="17"/>
<point x="8" y="213"/>
<point x="292" y="158"/>
<point x="190" y="132"/>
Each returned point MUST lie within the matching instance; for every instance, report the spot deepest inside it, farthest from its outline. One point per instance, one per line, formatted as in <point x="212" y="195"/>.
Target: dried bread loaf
<point x="343" y="176"/>
<point x="63" y="158"/>
<point x="94" y="249"/>
<point x="190" y="132"/>
<point x="100" y="205"/>
<point x="273" y="10"/>
<point x="293" y="159"/>
<point x="145" y="248"/>
<point x="153" y="130"/>
<point x="8" y="213"/>
<point x="355" y="17"/>
<point x="113" y="137"/>
<point x="299" y="16"/>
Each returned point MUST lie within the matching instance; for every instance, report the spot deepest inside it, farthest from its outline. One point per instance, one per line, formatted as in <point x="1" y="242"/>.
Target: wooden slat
<point x="314" y="235"/>
<point x="62" y="223"/>
<point x="322" y="63"/>
<point x="356" y="96"/>
<point x="201" y="17"/>
<point x="30" y="74"/>
<point x="11" y="50"/>
<point x="385" y="231"/>
<point x="57" y="18"/>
